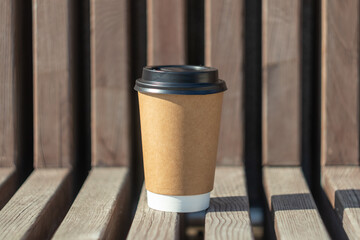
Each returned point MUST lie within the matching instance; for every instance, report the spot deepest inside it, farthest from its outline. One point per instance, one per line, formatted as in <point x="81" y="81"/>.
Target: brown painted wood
<point x="342" y="187"/>
<point x="166" y="32"/>
<point x="101" y="209"/>
<point x="340" y="83"/>
<point x="38" y="207"/>
<point x="153" y="224"/>
<point x="224" y="24"/>
<point x="110" y="82"/>
<point x="8" y="184"/>
<point x="292" y="205"/>
<point x="8" y="113"/>
<point x="228" y="215"/>
<point x="53" y="84"/>
<point x="281" y="59"/>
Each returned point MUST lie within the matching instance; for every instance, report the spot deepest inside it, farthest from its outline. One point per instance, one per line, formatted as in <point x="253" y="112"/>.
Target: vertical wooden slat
<point x="281" y="82"/>
<point x="53" y="84"/>
<point x="340" y="114"/>
<point x="110" y="83"/>
<point x="224" y="22"/>
<point x="9" y="100"/>
<point x="166" y="32"/>
<point x="8" y="112"/>
<point x="340" y="83"/>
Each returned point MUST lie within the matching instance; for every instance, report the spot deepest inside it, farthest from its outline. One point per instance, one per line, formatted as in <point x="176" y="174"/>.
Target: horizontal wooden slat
<point x="7" y="85"/>
<point x="281" y="64"/>
<point x="102" y="208"/>
<point x="224" y="48"/>
<point x="342" y="186"/>
<point x="8" y="184"/>
<point x="37" y="208"/>
<point x="153" y="224"/>
<point x="228" y="215"/>
<point x="340" y="82"/>
<point x="292" y="205"/>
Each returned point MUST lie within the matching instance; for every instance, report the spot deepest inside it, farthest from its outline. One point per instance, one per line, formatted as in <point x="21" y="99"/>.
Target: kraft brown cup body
<point x="180" y="141"/>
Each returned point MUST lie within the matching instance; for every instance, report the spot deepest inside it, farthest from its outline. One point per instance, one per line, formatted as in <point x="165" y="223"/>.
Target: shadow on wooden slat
<point x="349" y="198"/>
<point x="299" y="201"/>
<point x="217" y="205"/>
<point x="229" y="204"/>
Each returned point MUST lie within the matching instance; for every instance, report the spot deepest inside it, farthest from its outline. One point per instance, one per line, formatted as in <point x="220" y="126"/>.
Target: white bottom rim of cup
<point x="181" y="204"/>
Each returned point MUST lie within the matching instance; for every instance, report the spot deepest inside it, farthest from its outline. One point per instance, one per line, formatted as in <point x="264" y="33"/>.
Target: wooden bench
<point x="70" y="151"/>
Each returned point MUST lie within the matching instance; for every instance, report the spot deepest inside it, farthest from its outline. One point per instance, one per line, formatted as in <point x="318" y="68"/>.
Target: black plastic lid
<point x="180" y="79"/>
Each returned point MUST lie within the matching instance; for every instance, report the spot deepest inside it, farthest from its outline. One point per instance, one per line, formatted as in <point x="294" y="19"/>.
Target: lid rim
<point x="180" y="79"/>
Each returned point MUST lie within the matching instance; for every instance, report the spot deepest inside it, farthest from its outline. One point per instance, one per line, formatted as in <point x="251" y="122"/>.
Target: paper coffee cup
<point x="180" y="111"/>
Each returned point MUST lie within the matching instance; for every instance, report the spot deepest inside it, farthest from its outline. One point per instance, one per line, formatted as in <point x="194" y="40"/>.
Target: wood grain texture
<point x="8" y="116"/>
<point x="224" y="43"/>
<point x="342" y="186"/>
<point x="37" y="208"/>
<point x="340" y="82"/>
<point x="281" y="59"/>
<point x="292" y="205"/>
<point x="228" y="215"/>
<point x="110" y="82"/>
<point x="102" y="208"/>
<point x="53" y="84"/>
<point x="153" y="224"/>
<point x="8" y="184"/>
<point x="166" y="32"/>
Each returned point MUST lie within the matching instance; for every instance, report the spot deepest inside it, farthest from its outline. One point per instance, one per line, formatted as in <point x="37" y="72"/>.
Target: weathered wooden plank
<point x="340" y="82"/>
<point x="281" y="61"/>
<point x="39" y="205"/>
<point x="342" y="186"/>
<point x="153" y="224"/>
<point x="8" y="184"/>
<point x="224" y="24"/>
<point x="102" y="208"/>
<point x="166" y="32"/>
<point x="292" y="205"/>
<point x="8" y="102"/>
<point x="110" y="82"/>
<point x="8" y="113"/>
<point x="228" y="215"/>
<point x="53" y="84"/>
